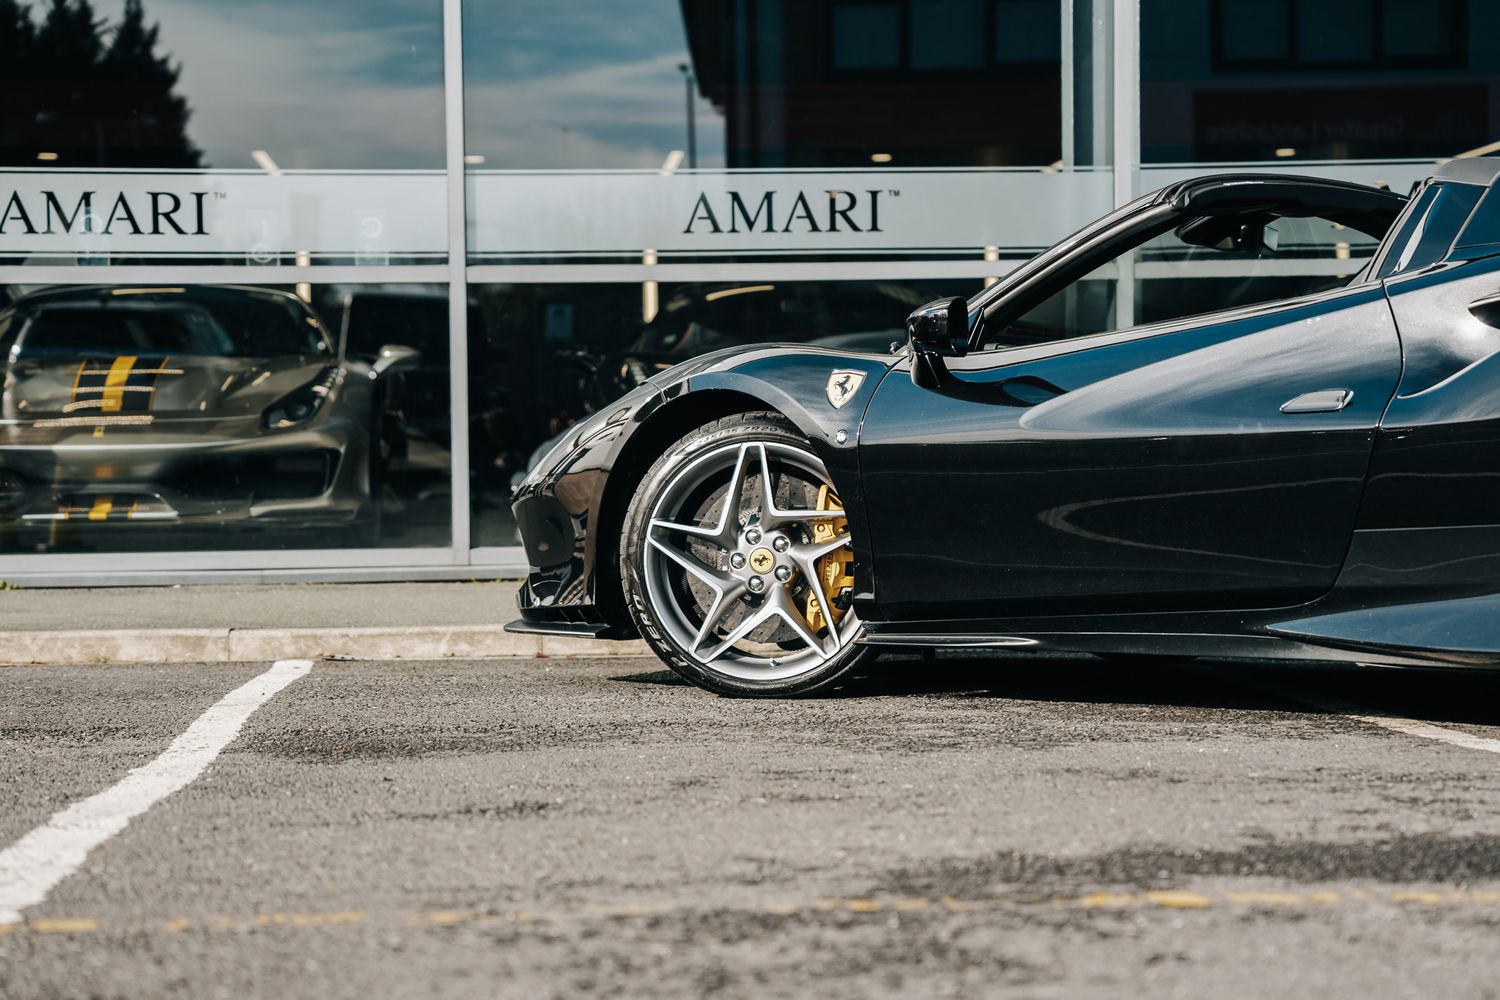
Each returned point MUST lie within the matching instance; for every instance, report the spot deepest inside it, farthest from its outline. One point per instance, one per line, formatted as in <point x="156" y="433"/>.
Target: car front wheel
<point x="737" y="563"/>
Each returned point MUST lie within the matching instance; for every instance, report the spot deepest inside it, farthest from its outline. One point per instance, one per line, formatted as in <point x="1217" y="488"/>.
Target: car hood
<point x="180" y="387"/>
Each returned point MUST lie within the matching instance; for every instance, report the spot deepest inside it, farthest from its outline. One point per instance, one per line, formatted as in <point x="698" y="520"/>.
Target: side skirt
<point x="1228" y="646"/>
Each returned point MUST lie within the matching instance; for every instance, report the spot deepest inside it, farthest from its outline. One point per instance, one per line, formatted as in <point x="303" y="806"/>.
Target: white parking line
<point x="1428" y="731"/>
<point x="32" y="866"/>
<point x="1407" y="726"/>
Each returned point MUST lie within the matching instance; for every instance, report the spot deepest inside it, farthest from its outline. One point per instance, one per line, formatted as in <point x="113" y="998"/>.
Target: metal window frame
<point x="1114" y="100"/>
<point x="1125" y="142"/>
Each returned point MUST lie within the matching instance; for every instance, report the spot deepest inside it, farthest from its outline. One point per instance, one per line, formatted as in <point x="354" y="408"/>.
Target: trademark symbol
<point x="893" y="194"/>
<point x="220" y="195"/>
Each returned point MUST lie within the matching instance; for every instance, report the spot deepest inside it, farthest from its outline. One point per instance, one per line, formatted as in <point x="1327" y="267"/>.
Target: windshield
<point x="225" y="324"/>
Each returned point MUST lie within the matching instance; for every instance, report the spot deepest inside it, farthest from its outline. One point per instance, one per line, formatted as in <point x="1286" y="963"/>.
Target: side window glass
<point x="1430" y="228"/>
<point x="1483" y="228"/>
<point x="1206" y="266"/>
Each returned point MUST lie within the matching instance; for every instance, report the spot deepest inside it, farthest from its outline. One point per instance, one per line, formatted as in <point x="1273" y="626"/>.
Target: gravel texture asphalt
<point x="959" y="826"/>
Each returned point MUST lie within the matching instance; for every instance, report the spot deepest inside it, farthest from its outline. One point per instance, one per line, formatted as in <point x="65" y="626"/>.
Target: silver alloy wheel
<point x="724" y="563"/>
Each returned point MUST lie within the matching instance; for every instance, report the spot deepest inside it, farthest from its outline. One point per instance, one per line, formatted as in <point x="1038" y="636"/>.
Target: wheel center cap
<point x="762" y="559"/>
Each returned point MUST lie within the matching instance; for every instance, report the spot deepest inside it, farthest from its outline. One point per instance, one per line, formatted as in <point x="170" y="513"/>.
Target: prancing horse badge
<point x="842" y="385"/>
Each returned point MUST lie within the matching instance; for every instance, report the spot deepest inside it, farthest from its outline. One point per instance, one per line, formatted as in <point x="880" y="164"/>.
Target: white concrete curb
<point x="213" y="645"/>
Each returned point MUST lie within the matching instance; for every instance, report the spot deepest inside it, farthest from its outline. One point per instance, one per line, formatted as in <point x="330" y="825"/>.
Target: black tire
<point x="765" y="427"/>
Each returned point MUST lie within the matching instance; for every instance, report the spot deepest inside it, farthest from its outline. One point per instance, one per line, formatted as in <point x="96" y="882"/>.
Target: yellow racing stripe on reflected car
<point x="119" y="374"/>
<point x="102" y="507"/>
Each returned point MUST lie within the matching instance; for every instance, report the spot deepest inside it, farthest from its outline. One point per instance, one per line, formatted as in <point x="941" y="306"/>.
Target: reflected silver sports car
<point x="212" y="405"/>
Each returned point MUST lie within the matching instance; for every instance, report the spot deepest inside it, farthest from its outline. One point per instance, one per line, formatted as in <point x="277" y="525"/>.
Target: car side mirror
<point x="395" y="358"/>
<point x="936" y="331"/>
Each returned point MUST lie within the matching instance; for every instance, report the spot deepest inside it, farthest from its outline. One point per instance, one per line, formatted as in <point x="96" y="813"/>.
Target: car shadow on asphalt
<point x="1458" y="695"/>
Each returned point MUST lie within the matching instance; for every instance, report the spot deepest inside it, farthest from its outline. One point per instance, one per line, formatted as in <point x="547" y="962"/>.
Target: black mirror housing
<point x="940" y="328"/>
<point x="936" y="331"/>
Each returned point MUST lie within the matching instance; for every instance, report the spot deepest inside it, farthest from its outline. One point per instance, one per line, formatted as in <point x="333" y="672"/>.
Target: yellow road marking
<point x="1105" y="900"/>
<point x="1179" y="899"/>
<point x="119" y="374"/>
<point x="448" y="918"/>
<point x="309" y="919"/>
<point x="82" y="925"/>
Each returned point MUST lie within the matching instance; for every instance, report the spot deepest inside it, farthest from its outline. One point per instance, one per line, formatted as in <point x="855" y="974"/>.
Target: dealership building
<point x="297" y="291"/>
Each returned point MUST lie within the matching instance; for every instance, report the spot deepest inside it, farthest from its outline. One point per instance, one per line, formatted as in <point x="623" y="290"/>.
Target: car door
<point x="1211" y="462"/>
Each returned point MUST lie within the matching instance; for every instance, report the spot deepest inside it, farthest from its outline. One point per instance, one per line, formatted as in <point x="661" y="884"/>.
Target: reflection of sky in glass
<point x="332" y="84"/>
<point x="580" y="83"/>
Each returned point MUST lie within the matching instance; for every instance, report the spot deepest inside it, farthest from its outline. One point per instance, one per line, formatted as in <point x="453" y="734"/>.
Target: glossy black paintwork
<point x="571" y="490"/>
<point x="1148" y="472"/>
<point x="1137" y="491"/>
<point x="1437" y="460"/>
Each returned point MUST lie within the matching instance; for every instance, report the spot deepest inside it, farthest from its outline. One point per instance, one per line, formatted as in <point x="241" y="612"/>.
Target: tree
<point x="95" y="95"/>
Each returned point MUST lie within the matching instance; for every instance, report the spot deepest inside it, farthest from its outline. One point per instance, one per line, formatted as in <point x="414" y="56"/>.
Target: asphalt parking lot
<point x="1031" y="826"/>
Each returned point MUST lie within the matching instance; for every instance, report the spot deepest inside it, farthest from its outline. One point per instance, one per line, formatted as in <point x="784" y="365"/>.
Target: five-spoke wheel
<point x="737" y="561"/>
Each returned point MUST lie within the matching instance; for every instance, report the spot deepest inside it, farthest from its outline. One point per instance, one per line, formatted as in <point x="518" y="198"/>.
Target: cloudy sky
<point x="346" y="84"/>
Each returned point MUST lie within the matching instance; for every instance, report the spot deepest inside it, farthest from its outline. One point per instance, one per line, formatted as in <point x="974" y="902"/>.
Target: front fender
<point x="795" y="383"/>
<point x="564" y="510"/>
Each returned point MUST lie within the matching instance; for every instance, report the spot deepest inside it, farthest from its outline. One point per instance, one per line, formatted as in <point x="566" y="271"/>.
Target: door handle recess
<point x="1486" y="310"/>
<point x="1322" y="401"/>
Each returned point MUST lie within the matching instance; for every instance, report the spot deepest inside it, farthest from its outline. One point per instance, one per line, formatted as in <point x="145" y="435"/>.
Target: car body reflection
<point x="212" y="406"/>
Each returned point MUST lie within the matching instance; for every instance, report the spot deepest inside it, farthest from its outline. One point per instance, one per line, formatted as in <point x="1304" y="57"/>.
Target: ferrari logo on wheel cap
<point x="842" y="385"/>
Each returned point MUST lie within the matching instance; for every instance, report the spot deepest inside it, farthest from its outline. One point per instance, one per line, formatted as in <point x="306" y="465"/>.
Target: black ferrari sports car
<point x="210" y="406"/>
<point x="1246" y="415"/>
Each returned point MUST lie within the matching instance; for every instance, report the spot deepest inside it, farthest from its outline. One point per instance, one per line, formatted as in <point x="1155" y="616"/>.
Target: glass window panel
<point x="1483" y="227"/>
<point x="338" y="84"/>
<point x="553" y="353"/>
<point x="1335" y="31"/>
<point x="1176" y="280"/>
<point x="1027" y="31"/>
<point x="947" y="34"/>
<point x="1416" y="28"/>
<point x="259" y="132"/>
<point x="1217" y="86"/>
<point x="866" y="36"/>
<point x="1254" y="30"/>
<point x="667" y="85"/>
<point x="595" y="84"/>
<point x="1430" y="227"/>
<point x="174" y="418"/>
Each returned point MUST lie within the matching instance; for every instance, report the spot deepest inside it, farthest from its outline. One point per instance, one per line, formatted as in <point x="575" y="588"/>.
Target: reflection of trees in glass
<point x="94" y="94"/>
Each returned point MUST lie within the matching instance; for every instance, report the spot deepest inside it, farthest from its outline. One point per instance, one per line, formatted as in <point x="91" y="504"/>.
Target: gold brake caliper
<point x="836" y="569"/>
